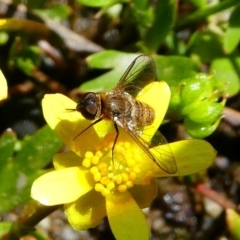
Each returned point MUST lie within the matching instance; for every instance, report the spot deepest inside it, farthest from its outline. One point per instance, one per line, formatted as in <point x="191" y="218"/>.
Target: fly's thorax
<point x="117" y="104"/>
<point x="122" y="108"/>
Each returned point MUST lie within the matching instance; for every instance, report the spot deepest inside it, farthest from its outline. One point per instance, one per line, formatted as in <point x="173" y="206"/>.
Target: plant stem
<point x="34" y="213"/>
<point x="205" y="12"/>
<point x="31" y="215"/>
<point x="215" y="196"/>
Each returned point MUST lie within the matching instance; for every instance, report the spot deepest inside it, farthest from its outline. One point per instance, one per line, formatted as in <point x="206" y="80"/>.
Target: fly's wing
<point x="140" y="73"/>
<point x="162" y="156"/>
<point x="162" y="153"/>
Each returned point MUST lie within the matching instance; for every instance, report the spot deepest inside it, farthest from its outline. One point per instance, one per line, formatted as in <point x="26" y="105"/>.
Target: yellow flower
<point x="3" y="87"/>
<point x="92" y="185"/>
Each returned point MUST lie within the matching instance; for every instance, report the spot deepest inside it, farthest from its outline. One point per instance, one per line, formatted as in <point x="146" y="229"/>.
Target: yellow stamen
<point x="104" y="180"/>
<point x="111" y="175"/>
<point x="105" y="192"/>
<point x="88" y="154"/>
<point x="136" y="170"/>
<point x="110" y="185"/>
<point x="86" y="163"/>
<point x="102" y="165"/>
<point x="131" y="162"/>
<point x="99" y="187"/>
<point x="95" y="159"/>
<point x="94" y="170"/>
<point x="132" y="176"/>
<point x="125" y="177"/>
<point x="129" y="184"/>
<point x="122" y="188"/>
<point x="99" y="154"/>
<point x="119" y="179"/>
<point x="104" y="172"/>
<point x="97" y="176"/>
<point x="117" y="174"/>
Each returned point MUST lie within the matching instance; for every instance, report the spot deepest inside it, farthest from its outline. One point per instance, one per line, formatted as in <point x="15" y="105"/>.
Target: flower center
<point x="113" y="170"/>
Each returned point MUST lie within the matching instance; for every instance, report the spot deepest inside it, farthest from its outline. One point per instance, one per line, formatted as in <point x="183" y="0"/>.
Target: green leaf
<point x="141" y="15"/>
<point x="175" y="45"/>
<point x="26" y="58"/>
<point x="141" y="4"/>
<point x="4" y="228"/>
<point x="232" y="36"/>
<point x="98" y="3"/>
<point x="118" y="62"/>
<point x="172" y="69"/>
<point x="7" y="144"/>
<point x="204" y="46"/>
<point x="56" y="12"/>
<point x="4" y="37"/>
<point x="38" y="151"/>
<point x="21" y="170"/>
<point x="199" y="3"/>
<point x="164" y="17"/>
<point x="224" y="70"/>
<point x="108" y="59"/>
<point x="15" y="187"/>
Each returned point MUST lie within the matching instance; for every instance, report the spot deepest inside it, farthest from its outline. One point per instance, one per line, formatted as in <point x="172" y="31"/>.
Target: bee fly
<point x="120" y="106"/>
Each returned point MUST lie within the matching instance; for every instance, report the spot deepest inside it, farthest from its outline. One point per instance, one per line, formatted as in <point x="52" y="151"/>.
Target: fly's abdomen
<point x="144" y="114"/>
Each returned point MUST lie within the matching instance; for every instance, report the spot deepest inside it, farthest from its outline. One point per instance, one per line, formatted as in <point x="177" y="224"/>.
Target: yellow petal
<point x="191" y="156"/>
<point x="87" y="211"/>
<point x="3" y="87"/>
<point x="144" y="194"/>
<point x="233" y="222"/>
<point x="61" y="186"/>
<point x="103" y="128"/>
<point x="68" y="124"/>
<point x="126" y="219"/>
<point x="66" y="159"/>
<point x="157" y="95"/>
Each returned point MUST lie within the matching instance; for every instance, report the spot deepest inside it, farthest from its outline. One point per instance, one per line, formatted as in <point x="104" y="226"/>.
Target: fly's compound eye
<point x="88" y="106"/>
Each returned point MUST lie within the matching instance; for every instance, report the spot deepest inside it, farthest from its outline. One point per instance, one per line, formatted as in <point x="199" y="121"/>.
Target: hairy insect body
<point x="126" y="111"/>
<point x="121" y="107"/>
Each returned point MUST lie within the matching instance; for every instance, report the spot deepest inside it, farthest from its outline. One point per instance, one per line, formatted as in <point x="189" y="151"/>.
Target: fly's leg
<point x="115" y="140"/>
<point x="92" y="124"/>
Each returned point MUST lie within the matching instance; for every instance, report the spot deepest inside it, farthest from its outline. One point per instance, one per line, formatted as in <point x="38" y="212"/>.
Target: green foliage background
<point x="196" y="51"/>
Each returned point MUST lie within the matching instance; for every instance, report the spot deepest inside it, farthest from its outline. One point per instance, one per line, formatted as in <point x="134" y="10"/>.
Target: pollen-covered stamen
<point x="116" y="174"/>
